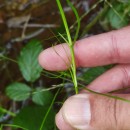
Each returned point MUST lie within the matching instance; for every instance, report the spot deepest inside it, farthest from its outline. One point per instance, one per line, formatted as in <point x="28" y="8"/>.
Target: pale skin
<point x="86" y="111"/>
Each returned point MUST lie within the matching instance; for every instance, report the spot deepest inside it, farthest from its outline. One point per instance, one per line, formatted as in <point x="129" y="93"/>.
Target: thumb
<point x="94" y="112"/>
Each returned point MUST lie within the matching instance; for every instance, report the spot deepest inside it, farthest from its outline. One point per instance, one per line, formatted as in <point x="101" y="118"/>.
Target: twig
<point x="25" y="26"/>
<point x="39" y="25"/>
<point x="29" y="36"/>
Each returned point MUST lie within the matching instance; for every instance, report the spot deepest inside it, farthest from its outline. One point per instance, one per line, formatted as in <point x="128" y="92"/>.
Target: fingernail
<point x="77" y="111"/>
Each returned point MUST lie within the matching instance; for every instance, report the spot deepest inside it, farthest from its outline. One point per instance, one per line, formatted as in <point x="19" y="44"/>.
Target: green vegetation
<point x="34" y="102"/>
<point x="69" y="41"/>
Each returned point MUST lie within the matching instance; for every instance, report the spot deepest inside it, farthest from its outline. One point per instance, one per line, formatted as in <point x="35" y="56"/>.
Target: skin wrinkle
<point x="106" y="121"/>
<point x="109" y="109"/>
<point x="118" y="113"/>
<point x="93" y="115"/>
<point x="115" y="113"/>
<point x="114" y="55"/>
<point x="114" y="52"/>
<point x="94" y="111"/>
<point x="125" y="80"/>
<point x="121" y="119"/>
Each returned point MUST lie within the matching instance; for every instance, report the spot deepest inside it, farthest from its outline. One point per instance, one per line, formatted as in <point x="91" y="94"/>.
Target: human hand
<point x="88" y="111"/>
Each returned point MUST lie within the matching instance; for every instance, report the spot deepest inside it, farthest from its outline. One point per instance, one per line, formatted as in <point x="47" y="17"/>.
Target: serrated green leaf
<point x="93" y="73"/>
<point x="31" y="118"/>
<point x="28" y="61"/>
<point x="117" y="15"/>
<point x="120" y="20"/>
<point x="42" y="97"/>
<point x="18" y="91"/>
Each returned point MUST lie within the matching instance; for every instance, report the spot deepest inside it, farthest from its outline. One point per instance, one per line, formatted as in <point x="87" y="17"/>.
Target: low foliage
<point x="35" y="103"/>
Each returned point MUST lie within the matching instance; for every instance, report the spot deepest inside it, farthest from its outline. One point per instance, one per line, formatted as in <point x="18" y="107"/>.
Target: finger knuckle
<point x="114" y="49"/>
<point x="126" y="77"/>
<point x="107" y="109"/>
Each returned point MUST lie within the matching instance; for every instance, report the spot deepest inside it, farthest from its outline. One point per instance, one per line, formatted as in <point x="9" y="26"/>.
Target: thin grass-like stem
<point x="73" y="67"/>
<point x="65" y="22"/>
<point x="3" y="110"/>
<point x="49" y="109"/>
<point x="70" y="42"/>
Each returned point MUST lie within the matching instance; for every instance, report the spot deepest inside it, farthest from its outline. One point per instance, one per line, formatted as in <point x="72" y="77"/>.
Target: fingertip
<point x="45" y="59"/>
<point x="42" y="59"/>
<point x="60" y="122"/>
<point x="77" y="111"/>
<point x="48" y="59"/>
<point x="54" y="58"/>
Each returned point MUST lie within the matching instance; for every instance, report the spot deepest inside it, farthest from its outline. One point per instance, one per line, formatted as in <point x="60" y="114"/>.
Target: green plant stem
<point x="69" y="41"/>
<point x="108" y="95"/>
<point x="41" y="127"/>
<point x="73" y="66"/>
<point x="8" y="112"/>
<point x="86" y="13"/>
<point x="1" y="127"/>
<point x="65" y="22"/>
<point x="95" y="20"/>
<point x="91" y="91"/>
<point x="77" y="18"/>
<point x="14" y="126"/>
<point x="7" y="58"/>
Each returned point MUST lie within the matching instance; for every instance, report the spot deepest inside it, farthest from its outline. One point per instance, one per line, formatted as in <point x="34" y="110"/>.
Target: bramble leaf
<point x="28" y="61"/>
<point x="18" y="91"/>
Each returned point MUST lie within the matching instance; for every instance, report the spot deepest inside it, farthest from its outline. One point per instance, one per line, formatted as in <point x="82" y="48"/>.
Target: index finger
<point x="102" y="49"/>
